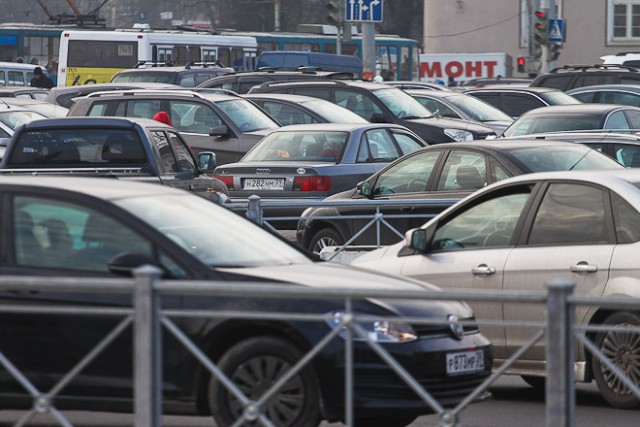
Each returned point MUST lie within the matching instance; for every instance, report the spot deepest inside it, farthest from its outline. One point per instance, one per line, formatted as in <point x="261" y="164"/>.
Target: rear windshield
<point x="77" y="148"/>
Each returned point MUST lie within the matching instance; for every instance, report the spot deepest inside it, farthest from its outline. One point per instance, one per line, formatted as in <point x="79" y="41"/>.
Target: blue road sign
<point x="363" y="10"/>
<point x="556" y="31"/>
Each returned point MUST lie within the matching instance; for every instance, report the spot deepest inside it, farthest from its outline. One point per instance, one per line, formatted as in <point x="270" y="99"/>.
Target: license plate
<point x="465" y="362"/>
<point x="264" y="184"/>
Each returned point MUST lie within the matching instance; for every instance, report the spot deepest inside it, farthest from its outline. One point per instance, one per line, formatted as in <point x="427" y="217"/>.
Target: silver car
<point x="518" y="234"/>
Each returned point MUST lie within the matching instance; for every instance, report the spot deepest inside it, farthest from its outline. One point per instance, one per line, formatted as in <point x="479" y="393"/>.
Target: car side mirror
<point x="219" y="131"/>
<point x="418" y="239"/>
<point x="377" y="118"/>
<point x="364" y="188"/>
<point x="207" y="161"/>
<point x="123" y="264"/>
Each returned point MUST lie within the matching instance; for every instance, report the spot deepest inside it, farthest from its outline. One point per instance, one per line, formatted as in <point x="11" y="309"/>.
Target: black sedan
<point x="450" y="171"/>
<point x="92" y="227"/>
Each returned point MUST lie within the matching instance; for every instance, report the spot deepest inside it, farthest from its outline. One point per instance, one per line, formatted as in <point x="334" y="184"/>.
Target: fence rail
<point x="148" y="318"/>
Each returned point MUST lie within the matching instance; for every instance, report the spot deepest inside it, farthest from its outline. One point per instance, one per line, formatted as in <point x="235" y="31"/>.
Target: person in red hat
<point x="163" y="117"/>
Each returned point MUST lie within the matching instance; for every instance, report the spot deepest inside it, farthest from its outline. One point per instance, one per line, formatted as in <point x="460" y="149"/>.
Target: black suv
<point x="381" y="103"/>
<point x="191" y="75"/>
<point x="570" y="76"/>
<point x="242" y="82"/>
<point x="228" y="125"/>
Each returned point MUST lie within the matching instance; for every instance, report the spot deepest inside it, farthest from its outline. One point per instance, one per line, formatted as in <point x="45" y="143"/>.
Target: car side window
<point x="146" y="108"/>
<point x="490" y="223"/>
<point x="634" y="118"/>
<point x="586" y="97"/>
<point x="314" y="92"/>
<point x="100" y="108"/>
<point x="187" y="81"/>
<point x="166" y="153"/>
<point x="616" y="120"/>
<point x="381" y="146"/>
<point x="57" y="234"/>
<point x="410" y="175"/>
<point x="193" y="117"/>
<point x="463" y="170"/>
<point x="626" y="220"/>
<point x="287" y="115"/>
<point x="515" y="104"/>
<point x="438" y="108"/>
<point x="571" y="214"/>
<point x="628" y="155"/>
<point x="359" y="103"/>
<point x="408" y="143"/>
<point x="499" y="171"/>
<point x="186" y="162"/>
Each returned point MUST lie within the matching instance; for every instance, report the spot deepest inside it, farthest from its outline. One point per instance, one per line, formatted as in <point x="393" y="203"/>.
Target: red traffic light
<point x="521" y="60"/>
<point x="540" y="14"/>
<point x="521" y="64"/>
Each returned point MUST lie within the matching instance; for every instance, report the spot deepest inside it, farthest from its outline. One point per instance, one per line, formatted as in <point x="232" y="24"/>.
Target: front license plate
<point x="465" y="362"/>
<point x="264" y="184"/>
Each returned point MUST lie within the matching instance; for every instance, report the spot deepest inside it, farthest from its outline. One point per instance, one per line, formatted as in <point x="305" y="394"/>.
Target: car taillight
<point x="312" y="183"/>
<point x="227" y="179"/>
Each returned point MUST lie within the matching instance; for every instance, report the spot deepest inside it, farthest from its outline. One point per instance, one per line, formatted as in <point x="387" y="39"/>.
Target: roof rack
<point x="594" y="67"/>
<point x="187" y="66"/>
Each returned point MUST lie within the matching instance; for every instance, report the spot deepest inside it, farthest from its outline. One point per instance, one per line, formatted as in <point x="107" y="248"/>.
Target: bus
<point x="88" y="57"/>
<point x="29" y="43"/>
<point x="400" y="56"/>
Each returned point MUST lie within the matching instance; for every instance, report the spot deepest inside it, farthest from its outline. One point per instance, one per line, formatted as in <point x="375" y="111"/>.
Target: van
<point x="286" y="60"/>
<point x="17" y="74"/>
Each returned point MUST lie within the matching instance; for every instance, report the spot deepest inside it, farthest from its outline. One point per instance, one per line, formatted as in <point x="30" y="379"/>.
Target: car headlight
<point x="459" y="135"/>
<point x="383" y="331"/>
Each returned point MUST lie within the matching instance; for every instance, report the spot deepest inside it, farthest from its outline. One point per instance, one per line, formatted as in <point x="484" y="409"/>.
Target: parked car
<point x="311" y="162"/>
<point x="380" y="103"/>
<point x="22" y="92"/>
<point x="12" y="117"/>
<point x="608" y="94"/>
<point x="190" y="75"/>
<point x="455" y="105"/>
<point x="47" y="109"/>
<point x="242" y="82"/>
<point x="444" y="171"/>
<point x="64" y="95"/>
<point x="291" y="60"/>
<point x="575" y="117"/>
<point x="298" y="109"/>
<point x="520" y="233"/>
<point x="516" y="100"/>
<point x="15" y="73"/>
<point x="111" y="227"/>
<point x="228" y="125"/>
<point x="572" y="76"/>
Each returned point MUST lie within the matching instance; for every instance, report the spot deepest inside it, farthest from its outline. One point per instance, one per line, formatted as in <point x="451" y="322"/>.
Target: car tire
<point x="538" y="383"/>
<point x="244" y="365"/>
<point x="323" y="238"/>
<point x="623" y="349"/>
<point x="384" y="421"/>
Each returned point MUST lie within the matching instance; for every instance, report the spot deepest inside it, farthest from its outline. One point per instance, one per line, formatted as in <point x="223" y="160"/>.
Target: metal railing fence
<point x="148" y="317"/>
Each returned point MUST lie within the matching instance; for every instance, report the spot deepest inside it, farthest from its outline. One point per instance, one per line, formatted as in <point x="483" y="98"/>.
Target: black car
<point x="572" y="76"/>
<point x="381" y="103"/>
<point x="445" y="171"/>
<point x="187" y="76"/>
<point x="92" y="227"/>
<point x="517" y="100"/>
<point x="228" y="125"/>
<point x="64" y="95"/>
<point x="242" y="82"/>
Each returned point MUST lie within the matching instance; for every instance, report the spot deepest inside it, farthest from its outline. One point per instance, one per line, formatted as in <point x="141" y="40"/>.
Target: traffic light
<point x="541" y="28"/>
<point x="333" y="12"/>
<point x="554" y="51"/>
<point x="521" y="64"/>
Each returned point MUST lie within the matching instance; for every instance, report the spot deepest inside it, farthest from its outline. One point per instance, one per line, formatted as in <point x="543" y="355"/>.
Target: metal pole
<point x="560" y="352"/>
<point x="254" y="211"/>
<point x="147" y="348"/>
<point x="276" y="17"/>
<point x="368" y="49"/>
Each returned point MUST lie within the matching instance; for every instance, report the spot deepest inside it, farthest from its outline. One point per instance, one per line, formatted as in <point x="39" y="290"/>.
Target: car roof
<point x="164" y="93"/>
<point x="11" y="89"/>
<point x="505" y="144"/>
<point x="512" y="88"/>
<point x="101" y="188"/>
<point x="586" y="108"/>
<point x="611" y="178"/>
<point x="336" y="127"/>
<point x="284" y="97"/>
<point x="79" y="121"/>
<point x="435" y="93"/>
<point x="329" y="82"/>
<point x="619" y="87"/>
<point x="11" y="107"/>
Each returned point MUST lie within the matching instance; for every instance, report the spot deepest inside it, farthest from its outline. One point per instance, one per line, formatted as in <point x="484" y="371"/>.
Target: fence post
<point x="560" y="355"/>
<point x="147" y="368"/>
<point x="254" y="211"/>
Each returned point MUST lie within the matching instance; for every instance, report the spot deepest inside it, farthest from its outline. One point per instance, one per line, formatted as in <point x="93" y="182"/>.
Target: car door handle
<point x="583" y="267"/>
<point x="483" y="270"/>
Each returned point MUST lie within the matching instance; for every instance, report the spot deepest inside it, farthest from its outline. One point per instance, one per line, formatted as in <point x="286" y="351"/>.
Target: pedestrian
<point x="40" y="80"/>
<point x="163" y="117"/>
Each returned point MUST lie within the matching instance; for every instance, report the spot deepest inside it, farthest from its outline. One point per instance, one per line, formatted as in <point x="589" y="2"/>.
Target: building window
<point x="624" y="20"/>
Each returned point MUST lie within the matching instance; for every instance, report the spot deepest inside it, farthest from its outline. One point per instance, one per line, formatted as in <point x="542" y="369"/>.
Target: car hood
<point x="330" y="275"/>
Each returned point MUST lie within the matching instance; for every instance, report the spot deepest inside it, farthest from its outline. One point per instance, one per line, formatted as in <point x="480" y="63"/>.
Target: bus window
<point x="16" y="78"/>
<point x="224" y="56"/>
<point x="3" y="78"/>
<point x="208" y="55"/>
<point x="102" y="54"/>
<point x="165" y="54"/>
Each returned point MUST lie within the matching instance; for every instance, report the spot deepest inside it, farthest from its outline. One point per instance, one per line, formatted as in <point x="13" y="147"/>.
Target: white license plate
<point x="264" y="184"/>
<point x="465" y="362"/>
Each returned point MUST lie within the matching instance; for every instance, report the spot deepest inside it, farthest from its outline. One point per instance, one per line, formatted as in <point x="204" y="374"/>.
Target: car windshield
<point x="477" y="109"/>
<point x="401" y="104"/>
<point x="334" y="113"/>
<point x="299" y="146"/>
<point x="13" y="119"/>
<point x="211" y="233"/>
<point x="149" y="77"/>
<point x="246" y="115"/>
<point x="548" y="159"/>
<point x="527" y="125"/>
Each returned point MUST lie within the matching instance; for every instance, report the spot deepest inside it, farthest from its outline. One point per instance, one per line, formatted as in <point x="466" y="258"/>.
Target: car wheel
<point x="323" y="238"/>
<point x="254" y="365"/>
<point x="384" y="421"/>
<point x="537" y="383"/>
<point x="623" y="349"/>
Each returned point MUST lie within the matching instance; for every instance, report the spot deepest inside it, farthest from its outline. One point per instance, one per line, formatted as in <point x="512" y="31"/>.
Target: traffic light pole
<point x="544" y="48"/>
